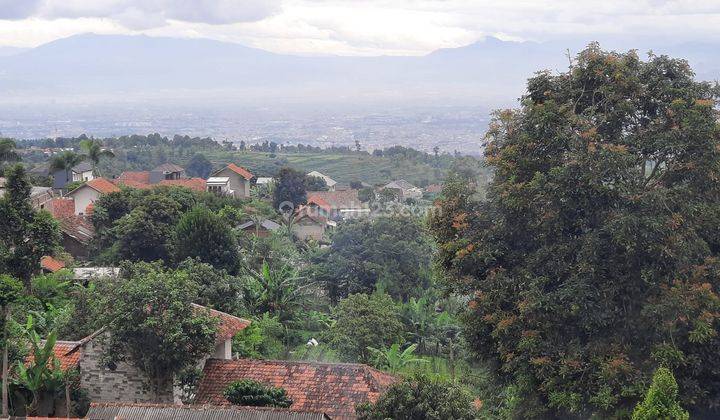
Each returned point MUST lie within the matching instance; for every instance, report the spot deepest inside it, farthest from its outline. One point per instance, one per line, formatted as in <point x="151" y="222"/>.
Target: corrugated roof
<point x="169" y="168"/>
<point x="82" y="167"/>
<point x="123" y="411"/>
<point x="331" y="388"/>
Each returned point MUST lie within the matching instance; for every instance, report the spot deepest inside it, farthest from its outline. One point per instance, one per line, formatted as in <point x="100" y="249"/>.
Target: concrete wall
<point x="84" y="196"/>
<point x="305" y="231"/>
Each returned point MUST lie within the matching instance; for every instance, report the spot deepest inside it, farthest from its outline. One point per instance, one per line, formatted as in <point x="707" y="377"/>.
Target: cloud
<point x="143" y="14"/>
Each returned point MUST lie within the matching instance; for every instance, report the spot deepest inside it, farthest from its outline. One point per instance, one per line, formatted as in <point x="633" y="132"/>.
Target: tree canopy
<point x="595" y="256"/>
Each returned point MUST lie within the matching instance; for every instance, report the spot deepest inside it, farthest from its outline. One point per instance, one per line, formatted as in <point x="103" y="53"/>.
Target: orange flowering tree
<point x="594" y="257"/>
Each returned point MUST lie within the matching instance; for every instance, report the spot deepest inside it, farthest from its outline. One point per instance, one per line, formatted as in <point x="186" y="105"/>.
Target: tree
<point x="199" y="166"/>
<point x="10" y="292"/>
<point x="249" y="392"/>
<point x="420" y="398"/>
<point x="388" y="252"/>
<point x="25" y="235"/>
<point x="595" y="255"/>
<point x="661" y="400"/>
<point x="94" y="151"/>
<point x="65" y="161"/>
<point x="144" y="233"/>
<point x="280" y="291"/>
<point x="315" y="183"/>
<point x="290" y="188"/>
<point x="152" y="324"/>
<point x="202" y="234"/>
<point x="7" y="152"/>
<point x="218" y="289"/>
<point x="393" y="359"/>
<point x="364" y="321"/>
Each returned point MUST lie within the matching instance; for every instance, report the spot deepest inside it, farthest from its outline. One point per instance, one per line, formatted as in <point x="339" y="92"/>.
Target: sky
<point x="364" y="27"/>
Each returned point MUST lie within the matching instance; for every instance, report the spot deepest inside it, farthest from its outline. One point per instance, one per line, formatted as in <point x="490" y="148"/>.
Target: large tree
<point x="152" y="325"/>
<point x="94" y="151"/>
<point x="291" y="189"/>
<point x="25" y="234"/>
<point x="595" y="256"/>
<point x="8" y="152"/>
<point x="199" y="166"/>
<point x="202" y="234"/>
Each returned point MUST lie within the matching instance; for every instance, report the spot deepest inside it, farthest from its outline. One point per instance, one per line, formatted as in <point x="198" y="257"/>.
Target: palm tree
<point x="94" y="151"/>
<point x="280" y="291"/>
<point x="394" y="359"/>
<point x="7" y="151"/>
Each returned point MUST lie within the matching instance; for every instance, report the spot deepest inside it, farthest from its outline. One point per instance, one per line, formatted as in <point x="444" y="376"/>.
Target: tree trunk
<point x="67" y="400"/>
<point x="5" y="412"/>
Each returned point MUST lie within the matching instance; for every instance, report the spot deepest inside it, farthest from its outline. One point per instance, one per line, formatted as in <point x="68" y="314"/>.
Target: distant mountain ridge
<point x="93" y="64"/>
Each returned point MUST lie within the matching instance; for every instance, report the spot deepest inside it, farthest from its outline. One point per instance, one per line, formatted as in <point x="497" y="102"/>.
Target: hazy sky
<point x="363" y="27"/>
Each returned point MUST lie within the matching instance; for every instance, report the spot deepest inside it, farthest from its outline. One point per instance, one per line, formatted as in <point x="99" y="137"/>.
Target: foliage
<point x="217" y="289"/>
<point x="253" y="393"/>
<point x="393" y="359"/>
<point x="202" y="234"/>
<point x="152" y="324"/>
<point x="25" y="235"/>
<point x="263" y="338"/>
<point x="290" y="187"/>
<point x="315" y="183"/>
<point x="65" y="161"/>
<point x="364" y="321"/>
<point x="420" y="398"/>
<point x="661" y="400"/>
<point x="8" y="152"/>
<point x="199" y="166"/>
<point x="94" y="151"/>
<point x="279" y="291"/>
<point x="595" y="255"/>
<point x="393" y="252"/>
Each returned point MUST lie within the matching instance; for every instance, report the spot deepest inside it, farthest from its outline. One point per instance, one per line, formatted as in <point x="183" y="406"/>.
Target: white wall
<point x="83" y="196"/>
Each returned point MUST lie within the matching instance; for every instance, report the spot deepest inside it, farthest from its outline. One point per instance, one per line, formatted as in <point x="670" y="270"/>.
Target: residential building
<point x="309" y="224"/>
<point x="219" y="185"/>
<point x="39" y="196"/>
<point x="87" y="193"/>
<point x="262" y="229"/>
<point x="81" y="172"/>
<point x="404" y="189"/>
<point x="116" y="411"/>
<point x="169" y="171"/>
<point x="334" y="389"/>
<point x="86" y="274"/>
<point x="328" y="181"/>
<point x="337" y="205"/>
<point x="49" y="264"/>
<point x="238" y="180"/>
<point x="77" y="230"/>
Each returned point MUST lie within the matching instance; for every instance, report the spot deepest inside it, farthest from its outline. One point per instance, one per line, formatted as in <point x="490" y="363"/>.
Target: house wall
<point x="82" y="176"/>
<point x="124" y="384"/>
<point x="305" y="231"/>
<point x="223" y="351"/>
<point x="84" y="196"/>
<point x="240" y="185"/>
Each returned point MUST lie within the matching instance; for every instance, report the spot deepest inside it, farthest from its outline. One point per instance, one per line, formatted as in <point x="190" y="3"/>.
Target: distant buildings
<point x="231" y="180"/>
<point x="78" y="173"/>
<point x="328" y="181"/>
<point x="404" y="189"/>
<point x="86" y="194"/>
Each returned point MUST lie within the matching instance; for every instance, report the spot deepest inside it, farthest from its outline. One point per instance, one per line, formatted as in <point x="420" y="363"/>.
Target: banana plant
<point x="395" y="360"/>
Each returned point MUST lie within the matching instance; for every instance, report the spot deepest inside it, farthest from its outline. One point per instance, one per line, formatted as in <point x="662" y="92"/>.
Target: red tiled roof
<point x="66" y="352"/>
<point x="142" y="177"/>
<point x="240" y="171"/>
<point x="133" y="184"/>
<point x="196" y="184"/>
<point x="61" y="207"/>
<point x="434" y="188"/>
<point x="51" y="264"/>
<point x="331" y="388"/>
<point x="229" y="325"/>
<point x="102" y="185"/>
<point x="306" y="211"/>
<point x="320" y="202"/>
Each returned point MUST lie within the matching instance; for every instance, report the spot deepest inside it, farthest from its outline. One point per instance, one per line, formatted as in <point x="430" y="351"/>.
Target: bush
<point x="661" y="399"/>
<point x="256" y="394"/>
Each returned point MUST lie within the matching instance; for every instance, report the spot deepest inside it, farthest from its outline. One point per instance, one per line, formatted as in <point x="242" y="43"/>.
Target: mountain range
<point x="105" y="66"/>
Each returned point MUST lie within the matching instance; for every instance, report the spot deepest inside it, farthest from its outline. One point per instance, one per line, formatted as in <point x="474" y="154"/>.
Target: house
<point x="90" y="191"/>
<point x="148" y="179"/>
<point x="219" y="185"/>
<point x="124" y="382"/>
<point x="308" y="223"/>
<point x="195" y="184"/>
<point x="115" y="411"/>
<point x="77" y="230"/>
<point x="49" y="264"/>
<point x="337" y="205"/>
<point x="328" y="181"/>
<point x="404" y="189"/>
<point x="238" y="180"/>
<point x="262" y="230"/>
<point x="39" y="196"/>
<point x="169" y="171"/>
<point x="81" y="172"/>
<point x="331" y="388"/>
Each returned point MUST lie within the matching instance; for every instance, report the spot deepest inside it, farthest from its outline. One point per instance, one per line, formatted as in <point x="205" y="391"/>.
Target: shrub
<point x="256" y="394"/>
<point x="661" y="399"/>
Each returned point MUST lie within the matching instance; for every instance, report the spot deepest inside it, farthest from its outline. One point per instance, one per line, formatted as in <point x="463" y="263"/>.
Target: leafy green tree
<point x="7" y="152"/>
<point x="218" y="289"/>
<point x="421" y="398"/>
<point x="661" y="400"/>
<point x="290" y="187"/>
<point x="144" y="233"/>
<point x="152" y="324"/>
<point x="25" y="234"/>
<point x="393" y="253"/>
<point x="280" y="291"/>
<point x="394" y="359"/>
<point x="200" y="233"/>
<point x="94" y="151"/>
<point x="315" y="183"/>
<point x="256" y="394"/>
<point x="364" y="321"/>
<point x="199" y="166"/>
<point x="10" y="292"/>
<point x="595" y="254"/>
